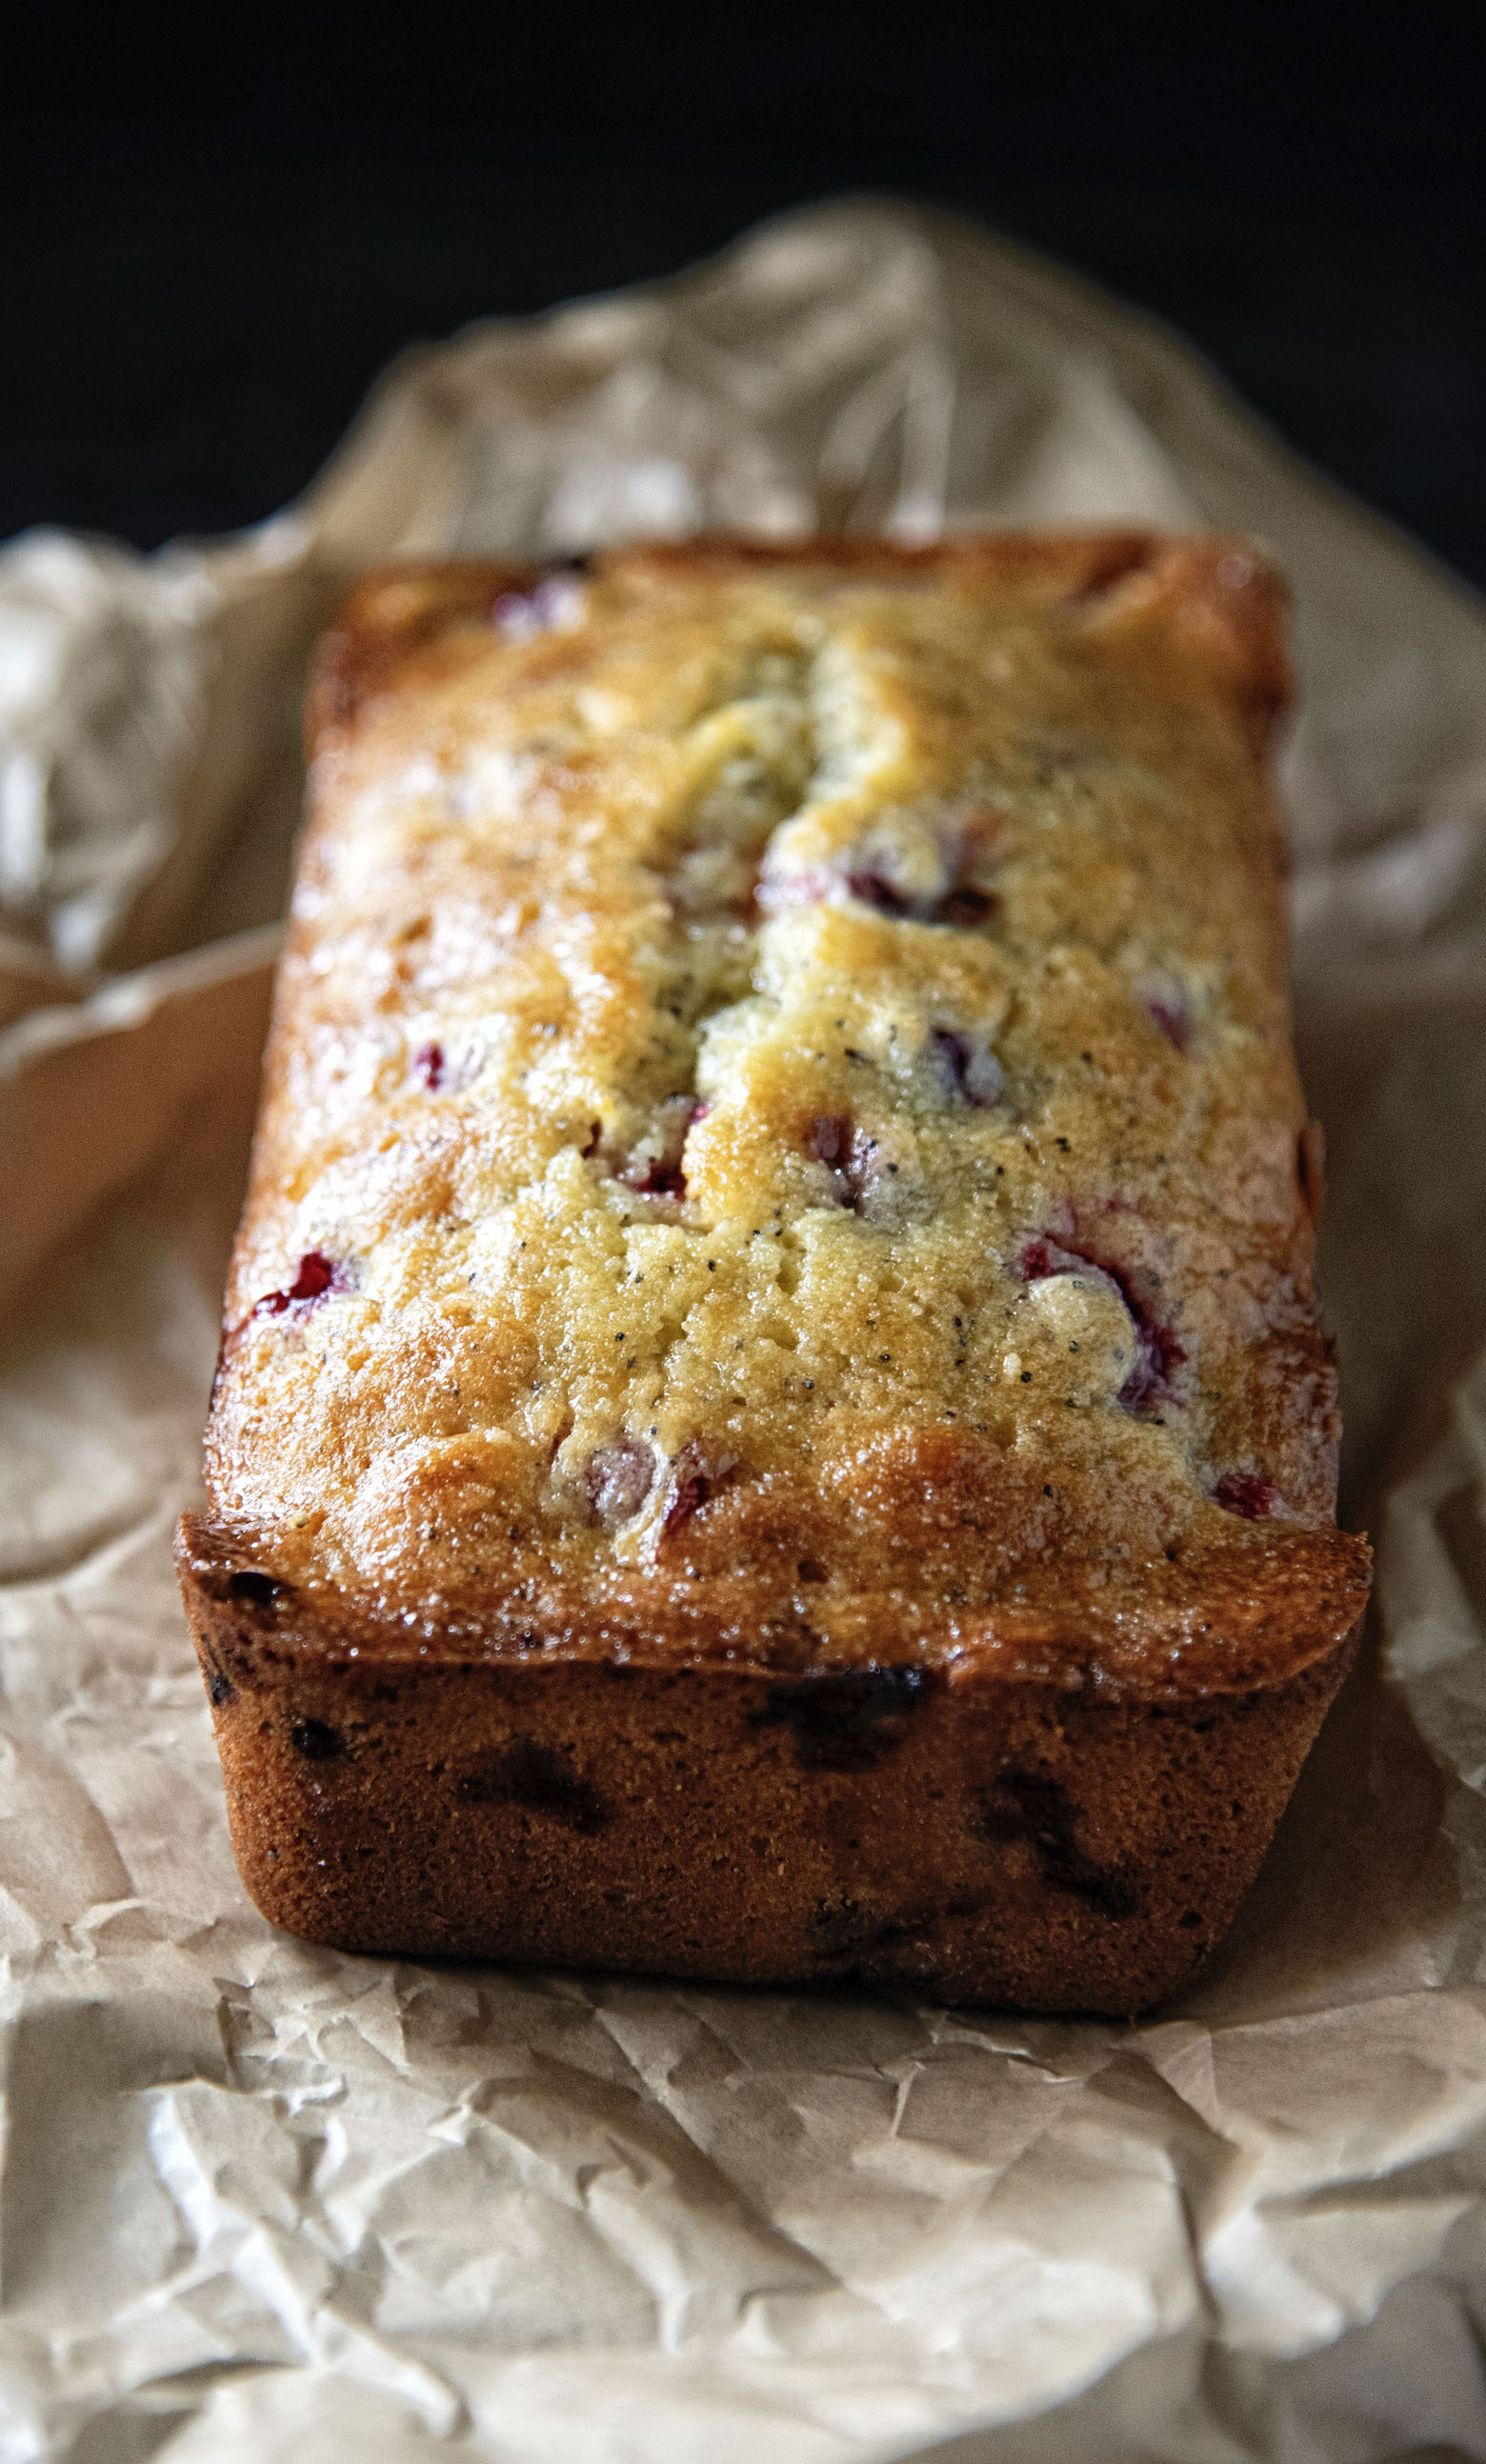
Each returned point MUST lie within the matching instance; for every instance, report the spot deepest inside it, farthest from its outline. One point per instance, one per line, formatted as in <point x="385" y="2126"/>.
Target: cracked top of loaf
<point x="780" y="1139"/>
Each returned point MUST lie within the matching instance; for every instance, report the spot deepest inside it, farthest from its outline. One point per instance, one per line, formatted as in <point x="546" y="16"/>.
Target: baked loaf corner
<point x="773" y="1421"/>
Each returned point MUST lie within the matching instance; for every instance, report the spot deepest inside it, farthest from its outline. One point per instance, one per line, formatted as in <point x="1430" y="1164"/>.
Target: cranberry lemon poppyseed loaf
<point x="772" y="1421"/>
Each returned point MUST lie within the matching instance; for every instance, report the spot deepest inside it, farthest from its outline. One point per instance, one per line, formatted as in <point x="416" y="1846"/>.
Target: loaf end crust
<point x="975" y="1837"/>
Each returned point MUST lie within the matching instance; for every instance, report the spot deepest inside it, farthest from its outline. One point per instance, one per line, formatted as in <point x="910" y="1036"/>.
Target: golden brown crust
<point x="1238" y="624"/>
<point x="1206" y="1634"/>
<point x="385" y="622"/>
<point x="782" y="1162"/>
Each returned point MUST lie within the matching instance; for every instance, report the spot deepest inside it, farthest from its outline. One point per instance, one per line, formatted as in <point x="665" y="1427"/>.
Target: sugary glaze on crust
<point x="780" y="1140"/>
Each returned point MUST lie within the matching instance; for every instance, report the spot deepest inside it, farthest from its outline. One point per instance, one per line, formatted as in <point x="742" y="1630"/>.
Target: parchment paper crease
<point x="262" y="2202"/>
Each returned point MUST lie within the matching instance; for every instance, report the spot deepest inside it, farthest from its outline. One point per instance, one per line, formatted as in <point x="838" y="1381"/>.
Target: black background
<point x="216" y="233"/>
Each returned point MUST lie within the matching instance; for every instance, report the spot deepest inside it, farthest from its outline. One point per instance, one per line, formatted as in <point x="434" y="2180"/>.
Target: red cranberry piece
<point x="659" y="1173"/>
<point x="1157" y="1350"/>
<point x="967" y="902"/>
<point x="316" y="1277"/>
<point x="874" y="889"/>
<point x="1148" y="1381"/>
<point x="695" y="1480"/>
<point x="855" y="874"/>
<point x="1245" y="1493"/>
<point x="961" y="904"/>
<point x="849" y="1154"/>
<point x="686" y="1496"/>
<point x="429" y="1064"/>
<point x="620" y="1478"/>
<point x="830" y="1139"/>
<point x="1174" y="1023"/>
<point x="967" y="1069"/>
<point x="660" y="1181"/>
<point x="1165" y="1004"/>
<point x="825" y="885"/>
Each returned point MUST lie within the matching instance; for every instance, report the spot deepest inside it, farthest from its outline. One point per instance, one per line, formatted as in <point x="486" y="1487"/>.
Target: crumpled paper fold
<point x="261" y="2201"/>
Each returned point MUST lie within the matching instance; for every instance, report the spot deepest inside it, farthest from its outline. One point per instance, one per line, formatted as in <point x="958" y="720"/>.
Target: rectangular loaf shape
<point x="772" y="1421"/>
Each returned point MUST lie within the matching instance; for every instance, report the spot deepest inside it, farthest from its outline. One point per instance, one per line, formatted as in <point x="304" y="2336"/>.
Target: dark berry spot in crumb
<point x="316" y="1741"/>
<point x="967" y="905"/>
<point x="429" y="1064"/>
<point x="841" y="1927"/>
<point x="590" y="1144"/>
<point x="1245" y="1493"/>
<point x="540" y="1778"/>
<point x="1029" y="1805"/>
<point x="220" y="1686"/>
<point x="810" y="1570"/>
<point x="249" y="1584"/>
<point x="846" y="1721"/>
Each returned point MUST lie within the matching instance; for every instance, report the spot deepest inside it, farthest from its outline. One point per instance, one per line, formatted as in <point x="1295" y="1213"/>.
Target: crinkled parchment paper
<point x="263" y="2202"/>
